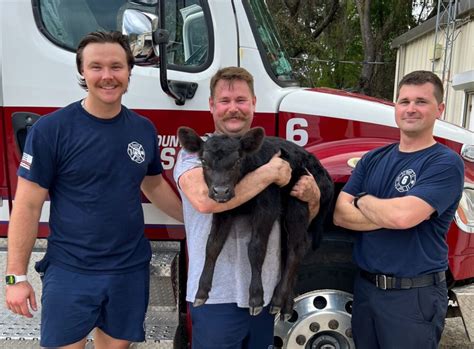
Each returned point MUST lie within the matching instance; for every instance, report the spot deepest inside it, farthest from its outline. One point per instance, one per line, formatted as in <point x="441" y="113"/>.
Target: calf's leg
<point x="261" y="228"/>
<point x="295" y="222"/>
<point x="221" y="224"/>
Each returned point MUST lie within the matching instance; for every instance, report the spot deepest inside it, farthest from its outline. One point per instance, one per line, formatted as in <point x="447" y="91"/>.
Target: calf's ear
<point x="189" y="139"/>
<point x="252" y="140"/>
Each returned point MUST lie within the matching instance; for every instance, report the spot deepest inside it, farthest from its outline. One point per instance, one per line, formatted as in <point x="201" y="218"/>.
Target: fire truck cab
<point x="179" y="45"/>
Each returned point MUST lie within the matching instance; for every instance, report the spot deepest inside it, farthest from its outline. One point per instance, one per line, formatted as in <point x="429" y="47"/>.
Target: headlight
<point x="464" y="216"/>
<point x="467" y="152"/>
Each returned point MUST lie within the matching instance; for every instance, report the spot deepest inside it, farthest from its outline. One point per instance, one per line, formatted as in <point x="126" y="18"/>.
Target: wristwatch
<point x="357" y="197"/>
<point x="13" y="279"/>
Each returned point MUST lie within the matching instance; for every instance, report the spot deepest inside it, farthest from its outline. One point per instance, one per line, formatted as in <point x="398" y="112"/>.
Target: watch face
<point x="10" y="279"/>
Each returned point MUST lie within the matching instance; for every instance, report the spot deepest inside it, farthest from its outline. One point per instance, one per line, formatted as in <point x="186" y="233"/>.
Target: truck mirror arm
<point x="179" y="90"/>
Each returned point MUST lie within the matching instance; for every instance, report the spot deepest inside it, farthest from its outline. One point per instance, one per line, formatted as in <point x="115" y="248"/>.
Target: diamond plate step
<point x="161" y="324"/>
<point x="162" y="262"/>
<point x="465" y="300"/>
<point x="161" y="332"/>
<point x="164" y="276"/>
<point x="162" y="294"/>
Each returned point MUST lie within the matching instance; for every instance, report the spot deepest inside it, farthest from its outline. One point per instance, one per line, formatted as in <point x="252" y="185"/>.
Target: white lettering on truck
<point x="168" y="145"/>
<point x="297" y="135"/>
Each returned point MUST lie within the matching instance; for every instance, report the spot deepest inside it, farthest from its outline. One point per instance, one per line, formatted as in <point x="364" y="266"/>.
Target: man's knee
<point x="78" y="345"/>
<point x="103" y="341"/>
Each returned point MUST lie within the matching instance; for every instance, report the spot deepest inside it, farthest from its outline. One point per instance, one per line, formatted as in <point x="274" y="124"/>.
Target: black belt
<point x="387" y="282"/>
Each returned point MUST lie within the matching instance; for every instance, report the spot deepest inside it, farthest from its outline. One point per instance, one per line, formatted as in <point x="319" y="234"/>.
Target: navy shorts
<point x="394" y="319"/>
<point x="73" y="304"/>
<point x="226" y="326"/>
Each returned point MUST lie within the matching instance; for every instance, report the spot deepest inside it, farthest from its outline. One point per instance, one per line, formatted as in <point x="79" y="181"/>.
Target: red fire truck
<point x="179" y="45"/>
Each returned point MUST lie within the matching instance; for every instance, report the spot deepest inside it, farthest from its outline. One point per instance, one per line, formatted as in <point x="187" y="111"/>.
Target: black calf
<point x="225" y="161"/>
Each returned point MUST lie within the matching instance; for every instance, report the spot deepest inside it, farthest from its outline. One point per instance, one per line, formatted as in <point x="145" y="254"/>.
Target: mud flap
<point x="465" y="299"/>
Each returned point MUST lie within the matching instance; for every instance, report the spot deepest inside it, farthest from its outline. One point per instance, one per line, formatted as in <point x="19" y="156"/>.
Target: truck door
<point x="39" y="68"/>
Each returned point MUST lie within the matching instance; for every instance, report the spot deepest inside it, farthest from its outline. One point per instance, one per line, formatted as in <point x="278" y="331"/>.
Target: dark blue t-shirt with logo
<point x="93" y="169"/>
<point x="435" y="175"/>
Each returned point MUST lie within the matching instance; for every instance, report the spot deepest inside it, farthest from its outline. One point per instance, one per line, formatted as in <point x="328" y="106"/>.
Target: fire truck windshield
<point x="272" y="49"/>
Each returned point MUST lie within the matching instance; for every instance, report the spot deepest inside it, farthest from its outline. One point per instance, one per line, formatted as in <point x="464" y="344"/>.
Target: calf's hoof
<point x="274" y="309"/>
<point x="199" y="301"/>
<point x="254" y="311"/>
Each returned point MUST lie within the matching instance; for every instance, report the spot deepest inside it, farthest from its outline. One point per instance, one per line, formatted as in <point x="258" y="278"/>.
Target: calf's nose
<point x="220" y="190"/>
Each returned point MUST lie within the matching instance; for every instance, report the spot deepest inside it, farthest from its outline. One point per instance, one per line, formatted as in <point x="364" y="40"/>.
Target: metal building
<point x="444" y="44"/>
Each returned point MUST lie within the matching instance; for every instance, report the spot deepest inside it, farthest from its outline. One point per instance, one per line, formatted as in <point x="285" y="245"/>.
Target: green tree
<point x="345" y="44"/>
<point x="380" y="22"/>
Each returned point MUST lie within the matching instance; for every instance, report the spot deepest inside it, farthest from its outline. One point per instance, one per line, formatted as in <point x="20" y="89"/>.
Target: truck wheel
<point x="321" y="320"/>
<point x="322" y="313"/>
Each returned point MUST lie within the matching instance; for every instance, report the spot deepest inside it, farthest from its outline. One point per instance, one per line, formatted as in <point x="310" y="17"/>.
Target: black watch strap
<point x="357" y="197"/>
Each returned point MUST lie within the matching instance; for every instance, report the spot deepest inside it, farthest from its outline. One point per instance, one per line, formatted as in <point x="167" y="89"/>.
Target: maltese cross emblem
<point x="136" y="152"/>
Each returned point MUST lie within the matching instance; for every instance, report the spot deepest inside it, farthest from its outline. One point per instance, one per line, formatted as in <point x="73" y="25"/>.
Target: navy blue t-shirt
<point x="93" y="169"/>
<point x="435" y="175"/>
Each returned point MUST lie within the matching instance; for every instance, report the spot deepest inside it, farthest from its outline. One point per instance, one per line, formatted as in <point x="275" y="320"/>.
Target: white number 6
<point x="297" y="135"/>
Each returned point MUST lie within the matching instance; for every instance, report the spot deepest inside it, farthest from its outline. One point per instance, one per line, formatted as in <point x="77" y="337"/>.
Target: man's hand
<point x="280" y="168"/>
<point x="307" y="190"/>
<point x="20" y="297"/>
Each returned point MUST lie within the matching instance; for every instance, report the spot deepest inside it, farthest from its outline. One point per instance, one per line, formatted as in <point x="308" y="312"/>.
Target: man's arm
<point x="374" y="213"/>
<point x="348" y="216"/>
<point x="307" y="190"/>
<point x="397" y="213"/>
<point x="22" y="232"/>
<point x="160" y="193"/>
<point x="192" y="184"/>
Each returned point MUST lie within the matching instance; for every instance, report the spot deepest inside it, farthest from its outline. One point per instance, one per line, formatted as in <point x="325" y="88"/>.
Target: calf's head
<point x="222" y="157"/>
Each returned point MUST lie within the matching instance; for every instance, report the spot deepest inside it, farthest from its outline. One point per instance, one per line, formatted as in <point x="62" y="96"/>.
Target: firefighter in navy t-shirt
<point x="92" y="158"/>
<point x="402" y="198"/>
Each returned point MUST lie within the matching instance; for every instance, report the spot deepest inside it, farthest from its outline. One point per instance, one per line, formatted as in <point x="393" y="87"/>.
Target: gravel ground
<point x="454" y="335"/>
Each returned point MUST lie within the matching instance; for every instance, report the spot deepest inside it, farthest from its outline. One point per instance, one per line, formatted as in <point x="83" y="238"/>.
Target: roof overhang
<point x="464" y="81"/>
<point x="465" y="8"/>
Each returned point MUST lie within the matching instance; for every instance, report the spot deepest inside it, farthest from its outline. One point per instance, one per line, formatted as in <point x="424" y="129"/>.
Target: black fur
<point x="225" y="161"/>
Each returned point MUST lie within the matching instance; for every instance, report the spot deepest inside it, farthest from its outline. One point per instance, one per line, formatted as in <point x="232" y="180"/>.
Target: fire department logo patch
<point x="405" y="180"/>
<point x="136" y="152"/>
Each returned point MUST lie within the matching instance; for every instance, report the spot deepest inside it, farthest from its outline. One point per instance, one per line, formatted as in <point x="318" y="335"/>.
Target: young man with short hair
<point x="402" y="199"/>
<point x="92" y="157"/>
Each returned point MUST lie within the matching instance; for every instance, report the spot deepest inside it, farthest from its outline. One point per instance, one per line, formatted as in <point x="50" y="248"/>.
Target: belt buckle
<point x="382" y="285"/>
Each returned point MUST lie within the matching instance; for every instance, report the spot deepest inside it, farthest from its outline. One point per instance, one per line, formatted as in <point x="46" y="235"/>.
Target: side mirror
<point x="139" y="26"/>
<point x="147" y="39"/>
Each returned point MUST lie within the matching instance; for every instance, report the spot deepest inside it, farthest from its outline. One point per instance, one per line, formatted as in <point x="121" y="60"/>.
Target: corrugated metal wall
<point x="417" y="55"/>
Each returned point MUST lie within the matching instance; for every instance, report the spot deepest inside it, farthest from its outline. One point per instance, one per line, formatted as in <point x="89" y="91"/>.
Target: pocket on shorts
<point x="41" y="267"/>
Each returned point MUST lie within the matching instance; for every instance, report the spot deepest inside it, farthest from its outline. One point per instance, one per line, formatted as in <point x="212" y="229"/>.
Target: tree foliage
<point x="345" y="44"/>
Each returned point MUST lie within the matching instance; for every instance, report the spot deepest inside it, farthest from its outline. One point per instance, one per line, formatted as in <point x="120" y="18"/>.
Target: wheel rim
<point x="321" y="320"/>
